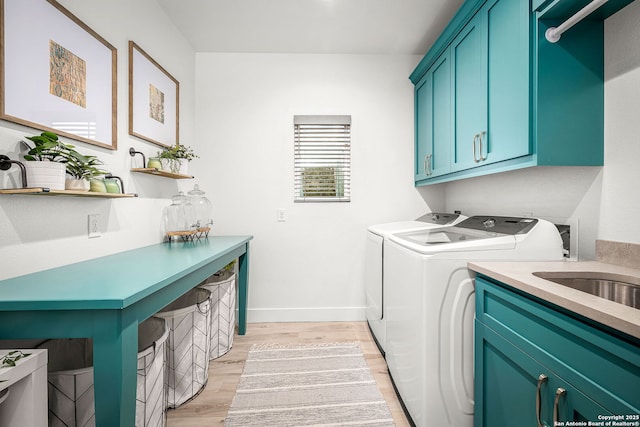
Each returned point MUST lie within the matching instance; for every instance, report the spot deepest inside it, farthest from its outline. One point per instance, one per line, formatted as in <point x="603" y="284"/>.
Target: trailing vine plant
<point x="12" y="357"/>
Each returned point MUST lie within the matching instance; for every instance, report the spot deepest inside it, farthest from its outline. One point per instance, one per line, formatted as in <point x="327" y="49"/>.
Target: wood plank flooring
<point x="210" y="407"/>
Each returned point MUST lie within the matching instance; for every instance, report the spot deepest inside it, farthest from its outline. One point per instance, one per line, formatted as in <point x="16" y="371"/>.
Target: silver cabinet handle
<point x="427" y="164"/>
<point x="475" y="157"/>
<point x="481" y="137"/>
<point x="559" y="393"/>
<point x="541" y="380"/>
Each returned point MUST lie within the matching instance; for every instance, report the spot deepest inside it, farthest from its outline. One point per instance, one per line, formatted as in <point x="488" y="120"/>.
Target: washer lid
<point x="440" y="218"/>
<point x="441" y="236"/>
<point x="430" y="220"/>
<point x="474" y="233"/>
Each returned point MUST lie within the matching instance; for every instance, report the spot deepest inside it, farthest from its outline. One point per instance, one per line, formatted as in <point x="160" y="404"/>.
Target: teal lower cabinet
<point x="536" y="365"/>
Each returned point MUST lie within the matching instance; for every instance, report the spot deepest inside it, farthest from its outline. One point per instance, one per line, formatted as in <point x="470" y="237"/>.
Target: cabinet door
<point x="513" y="388"/>
<point x="567" y="403"/>
<point x="433" y="120"/>
<point x="469" y="59"/>
<point x="441" y="81"/>
<point x="508" y="131"/>
<point x="505" y="382"/>
<point x="424" y="124"/>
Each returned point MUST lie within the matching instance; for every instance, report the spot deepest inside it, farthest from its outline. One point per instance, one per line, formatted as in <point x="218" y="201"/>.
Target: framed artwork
<point x="57" y="74"/>
<point x="153" y="100"/>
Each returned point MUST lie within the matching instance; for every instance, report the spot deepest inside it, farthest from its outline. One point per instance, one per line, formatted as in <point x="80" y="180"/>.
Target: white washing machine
<point x="430" y="307"/>
<point x="374" y="264"/>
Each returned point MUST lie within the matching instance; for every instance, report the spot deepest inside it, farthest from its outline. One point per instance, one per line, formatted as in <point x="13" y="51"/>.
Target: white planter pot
<point x="49" y="175"/>
<point x="175" y="166"/>
<point x="184" y="167"/>
<point x="76" y="184"/>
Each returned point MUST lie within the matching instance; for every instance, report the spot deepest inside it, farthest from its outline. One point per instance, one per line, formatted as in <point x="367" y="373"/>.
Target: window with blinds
<point x="322" y="159"/>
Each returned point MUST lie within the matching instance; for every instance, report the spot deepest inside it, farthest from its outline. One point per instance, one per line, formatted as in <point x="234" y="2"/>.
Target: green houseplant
<point x="82" y="170"/>
<point x="176" y="158"/>
<point x="49" y="154"/>
<point x="46" y="161"/>
<point x="47" y="147"/>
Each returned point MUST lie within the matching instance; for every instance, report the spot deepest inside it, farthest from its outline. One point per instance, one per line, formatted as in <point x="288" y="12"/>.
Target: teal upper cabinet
<point x="508" y="65"/>
<point x="468" y="54"/>
<point x="433" y="115"/>
<point x="515" y="100"/>
<point x="491" y="86"/>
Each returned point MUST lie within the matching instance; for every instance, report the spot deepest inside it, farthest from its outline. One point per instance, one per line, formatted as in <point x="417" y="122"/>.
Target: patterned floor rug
<point x="307" y="385"/>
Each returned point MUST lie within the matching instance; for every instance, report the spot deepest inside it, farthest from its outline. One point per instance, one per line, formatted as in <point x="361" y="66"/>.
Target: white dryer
<point x="430" y="307"/>
<point x="374" y="264"/>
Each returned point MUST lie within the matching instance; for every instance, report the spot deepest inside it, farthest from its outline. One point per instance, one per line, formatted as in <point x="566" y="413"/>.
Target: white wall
<point x="604" y="200"/>
<point x="43" y="232"/>
<point x="311" y="266"/>
<point x="620" y="208"/>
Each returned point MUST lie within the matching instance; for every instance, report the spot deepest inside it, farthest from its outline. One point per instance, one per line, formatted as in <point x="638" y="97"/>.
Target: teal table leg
<point x="243" y="291"/>
<point x="115" y="348"/>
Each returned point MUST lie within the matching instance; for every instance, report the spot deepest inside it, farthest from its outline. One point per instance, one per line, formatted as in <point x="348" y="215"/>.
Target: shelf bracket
<point x="553" y="34"/>
<point x="5" y="164"/>
<point x="133" y="152"/>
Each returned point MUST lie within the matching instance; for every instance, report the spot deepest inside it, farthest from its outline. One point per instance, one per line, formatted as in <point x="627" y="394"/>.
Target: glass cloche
<point x="203" y="208"/>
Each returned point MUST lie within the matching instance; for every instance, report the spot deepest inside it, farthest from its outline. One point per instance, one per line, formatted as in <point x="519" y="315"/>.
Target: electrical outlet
<point x="282" y="216"/>
<point x="94" y="225"/>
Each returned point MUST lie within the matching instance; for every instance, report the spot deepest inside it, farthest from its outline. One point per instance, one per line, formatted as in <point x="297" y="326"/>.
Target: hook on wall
<point x="133" y="152"/>
<point x="5" y="164"/>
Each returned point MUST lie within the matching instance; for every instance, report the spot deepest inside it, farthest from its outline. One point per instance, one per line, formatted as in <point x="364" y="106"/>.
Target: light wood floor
<point x="210" y="407"/>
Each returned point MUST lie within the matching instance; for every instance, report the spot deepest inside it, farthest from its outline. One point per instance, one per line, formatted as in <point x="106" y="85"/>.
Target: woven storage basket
<point x="223" y="314"/>
<point x="189" y="322"/>
<point x="70" y="378"/>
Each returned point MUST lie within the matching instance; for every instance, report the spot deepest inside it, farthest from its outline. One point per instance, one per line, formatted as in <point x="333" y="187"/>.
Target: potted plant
<point x="50" y="160"/>
<point x="82" y="169"/>
<point x="46" y="161"/>
<point x="176" y="158"/>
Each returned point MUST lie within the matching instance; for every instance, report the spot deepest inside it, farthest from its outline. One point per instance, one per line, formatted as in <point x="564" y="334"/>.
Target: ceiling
<point x="311" y="26"/>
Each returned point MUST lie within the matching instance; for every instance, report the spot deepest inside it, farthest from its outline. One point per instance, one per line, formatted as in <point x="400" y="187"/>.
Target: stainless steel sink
<point x="614" y="287"/>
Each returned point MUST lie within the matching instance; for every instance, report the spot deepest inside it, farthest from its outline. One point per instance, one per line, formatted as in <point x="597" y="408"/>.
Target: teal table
<point x="106" y="298"/>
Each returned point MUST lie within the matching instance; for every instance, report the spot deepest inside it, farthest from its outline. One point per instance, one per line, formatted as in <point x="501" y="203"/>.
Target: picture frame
<point x="154" y="97"/>
<point x="57" y="74"/>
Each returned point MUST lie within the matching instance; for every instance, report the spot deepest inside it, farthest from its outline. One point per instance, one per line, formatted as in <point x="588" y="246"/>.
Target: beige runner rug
<point x="307" y="385"/>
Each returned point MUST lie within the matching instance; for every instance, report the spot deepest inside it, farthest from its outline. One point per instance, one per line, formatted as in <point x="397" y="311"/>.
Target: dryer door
<point x="373" y="276"/>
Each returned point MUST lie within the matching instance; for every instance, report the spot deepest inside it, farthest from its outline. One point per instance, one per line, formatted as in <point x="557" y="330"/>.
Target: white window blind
<point x="322" y="160"/>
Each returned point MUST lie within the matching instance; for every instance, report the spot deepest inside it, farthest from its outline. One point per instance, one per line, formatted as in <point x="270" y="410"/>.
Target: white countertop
<point x="519" y="275"/>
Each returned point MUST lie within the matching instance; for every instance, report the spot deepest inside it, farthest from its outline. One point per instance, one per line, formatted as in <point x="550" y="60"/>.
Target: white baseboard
<point x="321" y="314"/>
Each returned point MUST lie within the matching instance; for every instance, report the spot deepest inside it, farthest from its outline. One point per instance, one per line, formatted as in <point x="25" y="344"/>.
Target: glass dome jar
<point x="179" y="218"/>
<point x="203" y="208"/>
